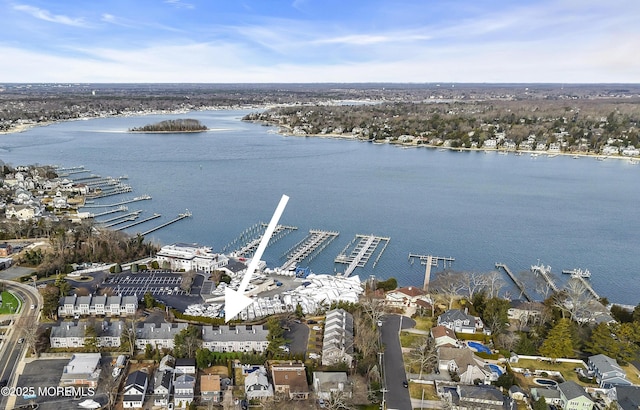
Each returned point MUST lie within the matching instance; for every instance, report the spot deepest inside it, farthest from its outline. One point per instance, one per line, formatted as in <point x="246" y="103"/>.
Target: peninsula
<point x="172" y="126"/>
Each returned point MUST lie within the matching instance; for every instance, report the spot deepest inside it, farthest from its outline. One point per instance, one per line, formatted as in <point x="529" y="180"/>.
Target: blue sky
<point x="226" y="41"/>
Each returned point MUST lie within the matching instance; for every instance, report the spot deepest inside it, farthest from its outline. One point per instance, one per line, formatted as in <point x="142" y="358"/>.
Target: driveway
<point x="396" y="396"/>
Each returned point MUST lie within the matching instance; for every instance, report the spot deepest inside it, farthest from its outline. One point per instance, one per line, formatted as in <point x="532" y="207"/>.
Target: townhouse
<point x="97" y="305"/>
<point x="70" y="334"/>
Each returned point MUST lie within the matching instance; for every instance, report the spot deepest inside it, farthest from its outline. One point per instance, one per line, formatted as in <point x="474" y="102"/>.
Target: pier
<point x="360" y="254"/>
<point x="544" y="271"/>
<point x="127" y="218"/>
<point x="112" y="211"/>
<point x="106" y="222"/>
<point x="180" y="217"/>
<point x="308" y="248"/>
<point x="429" y="261"/>
<point x="519" y="284"/>
<point x="127" y="201"/>
<point x="249" y="249"/>
<point x="587" y="286"/>
<point x="154" y="216"/>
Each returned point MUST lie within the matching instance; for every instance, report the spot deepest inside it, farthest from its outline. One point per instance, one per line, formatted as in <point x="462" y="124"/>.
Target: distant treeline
<point x="179" y="125"/>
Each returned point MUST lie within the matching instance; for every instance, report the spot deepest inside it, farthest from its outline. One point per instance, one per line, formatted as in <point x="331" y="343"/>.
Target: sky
<point x="318" y="41"/>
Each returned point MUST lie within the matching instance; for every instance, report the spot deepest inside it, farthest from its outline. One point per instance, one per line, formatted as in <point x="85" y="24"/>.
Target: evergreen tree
<point x="559" y="341"/>
<point x="603" y="342"/>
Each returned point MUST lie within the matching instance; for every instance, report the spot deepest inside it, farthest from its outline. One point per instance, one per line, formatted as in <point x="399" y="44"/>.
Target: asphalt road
<point x="396" y="396"/>
<point x="12" y="350"/>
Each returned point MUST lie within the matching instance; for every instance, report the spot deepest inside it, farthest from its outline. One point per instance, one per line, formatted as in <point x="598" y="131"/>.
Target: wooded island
<point x="179" y="125"/>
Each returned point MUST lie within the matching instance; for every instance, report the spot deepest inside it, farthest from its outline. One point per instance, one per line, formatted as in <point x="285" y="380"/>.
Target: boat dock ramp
<point x="180" y="217"/>
<point x="361" y="253"/>
<point x="430" y="261"/>
<point x="308" y="248"/>
<point x="515" y="280"/>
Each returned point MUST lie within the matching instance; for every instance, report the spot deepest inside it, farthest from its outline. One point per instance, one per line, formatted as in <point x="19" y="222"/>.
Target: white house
<point x="235" y="338"/>
<point x="183" y="390"/>
<point x="460" y="321"/>
<point x="256" y="384"/>
<point x="162" y="383"/>
<point x="337" y="346"/>
<point x="135" y="390"/>
<point x="191" y="257"/>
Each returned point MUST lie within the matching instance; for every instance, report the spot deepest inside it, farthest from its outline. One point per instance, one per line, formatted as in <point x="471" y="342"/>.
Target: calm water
<point x="478" y="208"/>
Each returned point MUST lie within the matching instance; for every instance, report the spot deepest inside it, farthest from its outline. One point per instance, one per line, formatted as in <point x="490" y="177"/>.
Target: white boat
<point x="578" y="273"/>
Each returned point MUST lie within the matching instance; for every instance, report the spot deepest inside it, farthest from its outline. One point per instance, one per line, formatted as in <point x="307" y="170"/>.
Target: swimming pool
<point x="496" y="369"/>
<point x="479" y="347"/>
<point x="545" y="382"/>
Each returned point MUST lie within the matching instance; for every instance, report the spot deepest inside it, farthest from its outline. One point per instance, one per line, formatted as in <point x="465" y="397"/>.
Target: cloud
<point x="367" y="39"/>
<point x="180" y="4"/>
<point x="47" y="16"/>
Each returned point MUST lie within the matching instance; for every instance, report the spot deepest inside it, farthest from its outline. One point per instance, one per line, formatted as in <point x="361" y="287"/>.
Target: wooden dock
<point x="515" y="280"/>
<point x="545" y="271"/>
<point x="127" y="201"/>
<point x="180" y="217"/>
<point x="111" y="211"/>
<point x="250" y="247"/>
<point x="308" y="248"/>
<point x="429" y="261"/>
<point x="361" y="253"/>
<point x="154" y="216"/>
<point x="587" y="286"/>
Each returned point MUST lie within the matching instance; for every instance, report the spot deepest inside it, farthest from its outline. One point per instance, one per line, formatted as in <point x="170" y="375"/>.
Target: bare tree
<point x="338" y="400"/>
<point x="449" y="287"/>
<point x="471" y="282"/>
<point x="374" y="307"/>
<point x="424" y="354"/>
<point x="494" y="284"/>
<point x="366" y="334"/>
<point x="28" y="329"/>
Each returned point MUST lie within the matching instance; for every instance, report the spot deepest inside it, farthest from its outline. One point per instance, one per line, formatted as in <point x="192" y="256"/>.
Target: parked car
<point x="21" y="340"/>
<point x="405" y="384"/>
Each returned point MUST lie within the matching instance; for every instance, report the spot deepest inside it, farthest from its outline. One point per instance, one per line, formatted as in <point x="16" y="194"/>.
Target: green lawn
<point x="424" y="323"/>
<point x="409" y="339"/>
<point x="10" y="303"/>
<point x="566" y="369"/>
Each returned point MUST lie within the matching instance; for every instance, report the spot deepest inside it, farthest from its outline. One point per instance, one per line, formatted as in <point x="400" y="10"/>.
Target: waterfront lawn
<point x="10" y="303"/>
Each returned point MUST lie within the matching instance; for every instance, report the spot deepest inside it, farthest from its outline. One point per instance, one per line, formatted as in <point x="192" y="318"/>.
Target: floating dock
<point x="429" y="261"/>
<point x="308" y="248"/>
<point x="519" y="284"/>
<point x="361" y="253"/>
<point x="180" y="217"/>
<point x="253" y="235"/>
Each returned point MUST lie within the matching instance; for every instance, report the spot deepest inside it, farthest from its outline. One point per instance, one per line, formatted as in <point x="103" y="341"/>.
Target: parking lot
<point x="158" y="283"/>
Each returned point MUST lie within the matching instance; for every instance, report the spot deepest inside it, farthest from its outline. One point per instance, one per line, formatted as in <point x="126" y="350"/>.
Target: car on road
<point x="405" y="384"/>
<point x="33" y="307"/>
<point x="379" y="323"/>
<point x="21" y="340"/>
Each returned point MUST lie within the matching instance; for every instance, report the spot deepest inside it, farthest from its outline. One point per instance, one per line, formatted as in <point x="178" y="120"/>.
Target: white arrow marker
<point x="235" y="300"/>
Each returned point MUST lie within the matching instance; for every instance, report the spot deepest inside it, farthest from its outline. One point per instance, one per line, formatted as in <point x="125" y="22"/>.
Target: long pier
<point x="544" y="272"/>
<point x="154" y="216"/>
<point x="587" y="286"/>
<point x="128" y="218"/>
<point x="127" y="201"/>
<point x="360" y="254"/>
<point x="309" y="247"/>
<point x="112" y="211"/>
<point x="515" y="280"/>
<point x="119" y="217"/>
<point x="186" y="214"/>
<point x="429" y="261"/>
<point x="249" y="249"/>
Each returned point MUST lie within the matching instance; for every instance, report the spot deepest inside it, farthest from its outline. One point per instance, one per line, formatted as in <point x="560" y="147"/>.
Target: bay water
<point x="479" y="208"/>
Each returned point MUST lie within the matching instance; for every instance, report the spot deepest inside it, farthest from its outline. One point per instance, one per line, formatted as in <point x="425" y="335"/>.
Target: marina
<point x="308" y="248"/>
<point x="361" y="252"/>
<point x="250" y="247"/>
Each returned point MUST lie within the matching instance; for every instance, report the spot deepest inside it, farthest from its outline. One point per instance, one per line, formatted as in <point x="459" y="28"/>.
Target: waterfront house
<point x="83" y="369"/>
<point x="235" y="338"/>
<point x="574" y="397"/>
<point x="404" y="297"/>
<point x="460" y="321"/>
<point x="135" y="390"/>
<point x="337" y="345"/>
<point x="183" y="390"/>
<point x="210" y="389"/>
<point x="290" y="379"/>
<point x="524" y="311"/>
<point x="607" y="371"/>
<point x="463" y="363"/>
<point x="256" y="384"/>
<point x="326" y="384"/>
<point x="162" y="383"/>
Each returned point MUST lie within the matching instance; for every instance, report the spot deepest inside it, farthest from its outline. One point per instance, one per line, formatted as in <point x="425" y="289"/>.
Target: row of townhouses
<point x="98" y="306"/>
<point x="70" y="334"/>
<point x="337" y="345"/>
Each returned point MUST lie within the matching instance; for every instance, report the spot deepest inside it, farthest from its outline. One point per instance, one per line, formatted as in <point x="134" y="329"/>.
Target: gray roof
<point x="71" y="329"/>
<point x="162" y="378"/>
<point x="545" y="392"/>
<point x="248" y="333"/>
<point x="164" y="331"/>
<point x="480" y="393"/>
<point x="99" y="300"/>
<point x="84" y="300"/>
<point x="628" y="397"/>
<point x="130" y="300"/>
<point x="455" y="314"/>
<point x="605" y="364"/>
<point x="572" y="390"/>
<point x="114" y="300"/>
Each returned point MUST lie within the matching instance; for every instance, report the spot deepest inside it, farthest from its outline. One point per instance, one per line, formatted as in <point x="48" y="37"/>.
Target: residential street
<point x="396" y="396"/>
